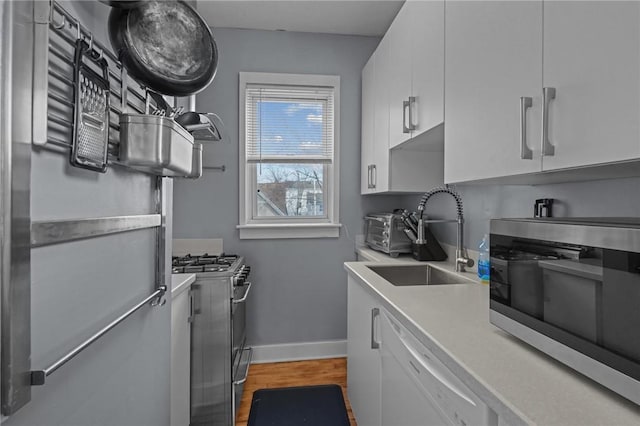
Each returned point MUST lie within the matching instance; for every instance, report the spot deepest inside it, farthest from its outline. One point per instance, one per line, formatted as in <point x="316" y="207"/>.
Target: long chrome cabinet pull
<point x="405" y="105"/>
<point x="412" y="102"/>
<point x="374" y="176"/>
<point x="375" y="312"/>
<point x="548" y="93"/>
<point x="191" y="307"/>
<point x="525" y="152"/>
<point x="369" y="168"/>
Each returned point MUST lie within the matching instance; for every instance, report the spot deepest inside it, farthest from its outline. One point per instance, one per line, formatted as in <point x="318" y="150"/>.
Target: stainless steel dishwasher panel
<point x="211" y="387"/>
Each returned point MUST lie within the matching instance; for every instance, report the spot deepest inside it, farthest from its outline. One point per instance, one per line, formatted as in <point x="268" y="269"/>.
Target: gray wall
<point x="611" y="197"/>
<point x="300" y="284"/>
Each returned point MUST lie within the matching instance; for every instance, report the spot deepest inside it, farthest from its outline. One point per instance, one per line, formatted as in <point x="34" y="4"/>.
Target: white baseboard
<point x="299" y="351"/>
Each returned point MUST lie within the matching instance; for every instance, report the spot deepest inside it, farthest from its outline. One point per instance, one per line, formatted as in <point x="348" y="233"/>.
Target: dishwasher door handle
<point x="433" y="371"/>
<point x="423" y="359"/>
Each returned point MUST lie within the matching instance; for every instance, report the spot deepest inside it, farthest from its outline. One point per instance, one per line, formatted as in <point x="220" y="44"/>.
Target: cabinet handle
<point x="191" y="308"/>
<point x="375" y="312"/>
<point x="412" y="102"/>
<point x="368" y="172"/>
<point x="374" y="176"/>
<point x="405" y="105"/>
<point x="548" y="93"/>
<point x="525" y="151"/>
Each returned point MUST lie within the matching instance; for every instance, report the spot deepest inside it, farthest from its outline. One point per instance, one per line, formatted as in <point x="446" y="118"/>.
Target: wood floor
<point x="298" y="373"/>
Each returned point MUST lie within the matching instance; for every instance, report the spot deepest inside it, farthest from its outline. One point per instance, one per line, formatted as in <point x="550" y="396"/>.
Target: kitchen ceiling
<point x="354" y="17"/>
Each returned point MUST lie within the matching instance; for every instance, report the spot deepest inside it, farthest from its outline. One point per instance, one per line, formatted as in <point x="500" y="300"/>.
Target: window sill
<point x="289" y="230"/>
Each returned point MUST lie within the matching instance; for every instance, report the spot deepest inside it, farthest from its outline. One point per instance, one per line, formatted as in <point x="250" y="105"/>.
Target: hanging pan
<point x="165" y="46"/>
<point x="123" y="4"/>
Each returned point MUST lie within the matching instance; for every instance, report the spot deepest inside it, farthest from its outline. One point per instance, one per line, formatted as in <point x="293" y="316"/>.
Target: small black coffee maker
<point x="543" y="207"/>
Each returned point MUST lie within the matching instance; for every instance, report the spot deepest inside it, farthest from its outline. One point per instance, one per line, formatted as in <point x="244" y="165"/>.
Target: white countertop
<point x="180" y="282"/>
<point x="523" y="385"/>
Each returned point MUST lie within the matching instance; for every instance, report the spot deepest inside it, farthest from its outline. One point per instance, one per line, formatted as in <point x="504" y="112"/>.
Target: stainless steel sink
<point x="404" y="275"/>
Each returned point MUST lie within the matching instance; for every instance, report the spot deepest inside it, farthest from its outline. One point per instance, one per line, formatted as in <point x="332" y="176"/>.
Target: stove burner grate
<point x="203" y="263"/>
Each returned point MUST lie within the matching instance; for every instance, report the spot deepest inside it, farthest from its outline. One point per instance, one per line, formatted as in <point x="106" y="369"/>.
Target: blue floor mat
<point x="299" y="406"/>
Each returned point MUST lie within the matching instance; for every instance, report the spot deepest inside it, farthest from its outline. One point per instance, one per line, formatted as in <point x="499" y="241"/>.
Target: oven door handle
<point x="246" y="371"/>
<point x="244" y="298"/>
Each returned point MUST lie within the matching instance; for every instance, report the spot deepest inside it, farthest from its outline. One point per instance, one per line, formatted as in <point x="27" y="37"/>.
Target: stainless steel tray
<point x="156" y="145"/>
<point x="196" y="165"/>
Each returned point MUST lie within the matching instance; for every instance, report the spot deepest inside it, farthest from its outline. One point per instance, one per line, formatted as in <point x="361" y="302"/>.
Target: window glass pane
<point x="290" y="190"/>
<point x="287" y="129"/>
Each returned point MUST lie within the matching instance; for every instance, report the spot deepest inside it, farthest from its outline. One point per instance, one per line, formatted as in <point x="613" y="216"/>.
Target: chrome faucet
<point x="462" y="260"/>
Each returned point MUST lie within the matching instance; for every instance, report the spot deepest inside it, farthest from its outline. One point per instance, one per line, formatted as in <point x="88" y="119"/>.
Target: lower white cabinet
<point x="180" y="358"/>
<point x="363" y="358"/>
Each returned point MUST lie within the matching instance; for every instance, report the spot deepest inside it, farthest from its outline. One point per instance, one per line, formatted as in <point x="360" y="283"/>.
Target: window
<point x="289" y="155"/>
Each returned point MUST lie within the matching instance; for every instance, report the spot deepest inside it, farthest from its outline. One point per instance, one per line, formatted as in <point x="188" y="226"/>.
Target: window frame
<point x="287" y="227"/>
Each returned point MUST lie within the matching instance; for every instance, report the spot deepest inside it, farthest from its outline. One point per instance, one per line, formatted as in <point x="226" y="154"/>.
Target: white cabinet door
<point x="363" y="361"/>
<point x="398" y="79"/>
<point x="416" y="52"/>
<point x="366" y="136"/>
<point x="592" y="59"/>
<point x="415" y="39"/>
<point x="493" y="58"/>
<point x="180" y="359"/>
<point x="383" y="68"/>
<point x="427" y="71"/>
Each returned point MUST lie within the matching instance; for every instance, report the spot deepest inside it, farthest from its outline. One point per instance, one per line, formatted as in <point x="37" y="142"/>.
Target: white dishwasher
<point x="417" y="389"/>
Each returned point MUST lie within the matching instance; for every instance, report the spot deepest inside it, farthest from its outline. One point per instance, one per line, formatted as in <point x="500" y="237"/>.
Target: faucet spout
<point x="462" y="259"/>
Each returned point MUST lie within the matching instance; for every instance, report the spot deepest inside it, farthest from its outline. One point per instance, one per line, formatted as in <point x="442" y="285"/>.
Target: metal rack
<point x="35" y="112"/>
<point x="56" y="32"/>
<point x="59" y="231"/>
<point x="38" y="377"/>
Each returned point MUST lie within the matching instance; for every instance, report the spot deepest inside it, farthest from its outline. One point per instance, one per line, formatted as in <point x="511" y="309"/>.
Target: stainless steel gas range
<point x="219" y="358"/>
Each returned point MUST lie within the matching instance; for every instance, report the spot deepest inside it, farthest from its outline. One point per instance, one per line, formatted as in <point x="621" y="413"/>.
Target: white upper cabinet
<point x="493" y="59"/>
<point x="402" y="87"/>
<point x="426" y="20"/>
<point x="416" y="85"/>
<point x="398" y="43"/>
<point x="366" y="147"/>
<point x="537" y="86"/>
<point x="380" y="172"/>
<point x="592" y="60"/>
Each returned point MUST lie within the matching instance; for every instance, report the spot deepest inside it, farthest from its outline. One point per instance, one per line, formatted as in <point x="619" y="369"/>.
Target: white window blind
<point x="289" y="124"/>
